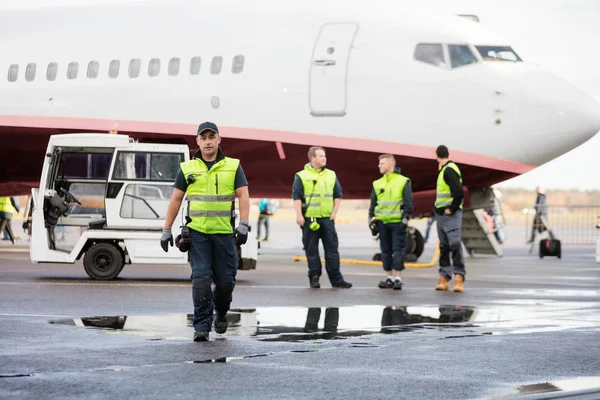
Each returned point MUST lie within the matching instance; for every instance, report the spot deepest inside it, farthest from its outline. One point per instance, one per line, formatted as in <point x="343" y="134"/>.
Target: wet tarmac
<point x="523" y="328"/>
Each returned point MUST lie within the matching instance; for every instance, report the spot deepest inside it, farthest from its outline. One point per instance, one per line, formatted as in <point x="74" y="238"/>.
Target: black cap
<point x="207" y="126"/>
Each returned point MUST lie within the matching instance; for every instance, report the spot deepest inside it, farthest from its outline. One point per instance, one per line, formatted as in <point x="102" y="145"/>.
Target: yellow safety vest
<point x="389" y="190"/>
<point x="443" y="196"/>
<point x="211" y="196"/>
<point x="6" y="205"/>
<point x="318" y="191"/>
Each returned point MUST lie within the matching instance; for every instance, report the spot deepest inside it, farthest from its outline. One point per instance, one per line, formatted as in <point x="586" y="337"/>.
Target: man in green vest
<point x="317" y="195"/>
<point x="391" y="207"/>
<point x="211" y="183"/>
<point x="448" y="207"/>
<point x="8" y="206"/>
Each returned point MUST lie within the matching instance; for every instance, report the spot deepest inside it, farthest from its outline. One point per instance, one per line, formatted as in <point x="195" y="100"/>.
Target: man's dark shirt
<point x="408" y="204"/>
<point x="453" y="180"/>
<point x="298" y="189"/>
<point x="240" y="177"/>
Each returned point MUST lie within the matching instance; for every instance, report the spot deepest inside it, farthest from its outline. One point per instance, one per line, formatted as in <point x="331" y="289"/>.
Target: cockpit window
<point x="430" y="53"/>
<point x="498" y="53"/>
<point x="460" y="55"/>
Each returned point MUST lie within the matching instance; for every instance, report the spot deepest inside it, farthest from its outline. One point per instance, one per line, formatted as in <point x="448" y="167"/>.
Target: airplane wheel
<point x="415" y="244"/>
<point x="103" y="261"/>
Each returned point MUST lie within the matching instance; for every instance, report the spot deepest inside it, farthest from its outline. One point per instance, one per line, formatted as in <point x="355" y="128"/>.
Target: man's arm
<point x="453" y="180"/>
<point x="173" y="208"/>
<point x="337" y="198"/>
<point x="408" y="202"/>
<point x="15" y="203"/>
<point x="297" y="196"/>
<point x="243" y="196"/>
<point x="373" y="204"/>
<point x="242" y="193"/>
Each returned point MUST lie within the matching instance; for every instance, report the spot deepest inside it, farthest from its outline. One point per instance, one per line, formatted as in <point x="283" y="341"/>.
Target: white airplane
<point x="277" y="77"/>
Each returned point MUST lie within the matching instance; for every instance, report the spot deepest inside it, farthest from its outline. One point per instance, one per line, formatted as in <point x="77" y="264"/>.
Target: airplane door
<point x="329" y="69"/>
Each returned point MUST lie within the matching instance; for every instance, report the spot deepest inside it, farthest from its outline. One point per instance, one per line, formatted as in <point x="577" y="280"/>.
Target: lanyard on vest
<point x="311" y="195"/>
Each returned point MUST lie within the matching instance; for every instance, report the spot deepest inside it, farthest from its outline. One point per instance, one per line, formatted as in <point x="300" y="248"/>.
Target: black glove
<point x="373" y="227"/>
<point x="241" y="233"/>
<point x="166" y="239"/>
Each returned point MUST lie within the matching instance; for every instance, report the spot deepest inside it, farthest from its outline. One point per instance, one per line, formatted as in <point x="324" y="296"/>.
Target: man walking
<point x="391" y="207"/>
<point x="448" y="207"/>
<point x="211" y="183"/>
<point x="317" y="195"/>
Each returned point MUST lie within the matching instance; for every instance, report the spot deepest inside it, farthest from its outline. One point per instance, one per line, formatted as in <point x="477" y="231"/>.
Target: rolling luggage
<point x="550" y="248"/>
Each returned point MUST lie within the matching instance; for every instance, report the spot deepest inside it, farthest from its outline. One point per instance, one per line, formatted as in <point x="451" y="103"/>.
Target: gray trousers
<point x="449" y="228"/>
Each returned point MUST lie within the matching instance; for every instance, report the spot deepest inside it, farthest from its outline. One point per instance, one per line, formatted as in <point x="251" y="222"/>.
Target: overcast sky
<point x="559" y="35"/>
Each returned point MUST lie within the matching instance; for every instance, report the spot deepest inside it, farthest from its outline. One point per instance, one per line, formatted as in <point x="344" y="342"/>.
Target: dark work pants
<point x="263" y="220"/>
<point x="449" y="228"/>
<point x="213" y="258"/>
<point x="392" y="240"/>
<point x="329" y="237"/>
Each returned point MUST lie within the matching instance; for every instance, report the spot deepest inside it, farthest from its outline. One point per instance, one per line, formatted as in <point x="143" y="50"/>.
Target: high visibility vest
<point x="443" y="196"/>
<point x="6" y="205"/>
<point x="389" y="190"/>
<point x="318" y="191"/>
<point x="211" y="197"/>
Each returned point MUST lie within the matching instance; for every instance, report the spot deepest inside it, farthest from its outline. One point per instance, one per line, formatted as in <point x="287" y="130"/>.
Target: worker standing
<point x="448" y="206"/>
<point x="391" y="207"/>
<point x="211" y="183"/>
<point x="8" y="206"/>
<point x="317" y="195"/>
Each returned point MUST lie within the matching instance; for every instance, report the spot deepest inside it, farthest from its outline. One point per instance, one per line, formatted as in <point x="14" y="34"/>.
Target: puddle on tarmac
<point x="290" y="324"/>
<point x="300" y="324"/>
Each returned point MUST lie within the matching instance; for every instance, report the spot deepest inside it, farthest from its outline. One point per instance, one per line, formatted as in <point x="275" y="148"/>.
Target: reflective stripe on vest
<point x="211" y="197"/>
<point x="389" y="190"/>
<point x="443" y="196"/>
<point x="318" y="191"/>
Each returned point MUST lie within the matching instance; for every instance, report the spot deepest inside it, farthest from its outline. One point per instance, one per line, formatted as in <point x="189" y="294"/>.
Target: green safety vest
<point x="443" y="196"/>
<point x="211" y="196"/>
<point x="6" y="205"/>
<point x="389" y="190"/>
<point x="318" y="191"/>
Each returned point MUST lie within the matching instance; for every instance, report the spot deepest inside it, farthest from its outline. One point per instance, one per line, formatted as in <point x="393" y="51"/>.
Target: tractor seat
<point x="99" y="224"/>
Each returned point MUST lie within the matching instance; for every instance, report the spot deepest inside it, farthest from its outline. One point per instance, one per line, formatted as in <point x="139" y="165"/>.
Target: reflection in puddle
<point x="290" y="324"/>
<point x="297" y="324"/>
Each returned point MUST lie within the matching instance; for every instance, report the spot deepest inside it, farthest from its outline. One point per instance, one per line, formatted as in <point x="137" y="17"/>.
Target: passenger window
<point x="215" y="66"/>
<point x="238" y="64"/>
<point x="52" y="71"/>
<point x="154" y="67"/>
<point x="460" y="55"/>
<point x="195" y="65"/>
<point x="134" y="67"/>
<point x="146" y="201"/>
<point x="174" y="66"/>
<point x="13" y="72"/>
<point x="72" y="70"/>
<point x="113" y="68"/>
<point x="30" y="72"/>
<point x="430" y="53"/>
<point x="85" y="165"/>
<point x="93" y="69"/>
<point x="147" y="166"/>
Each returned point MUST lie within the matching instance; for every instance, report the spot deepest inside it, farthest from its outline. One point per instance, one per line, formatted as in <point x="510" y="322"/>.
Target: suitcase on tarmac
<point x="550" y="248"/>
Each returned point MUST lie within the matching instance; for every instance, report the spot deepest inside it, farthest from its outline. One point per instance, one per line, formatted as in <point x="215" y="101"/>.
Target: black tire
<point x="415" y="243"/>
<point x="103" y="261"/>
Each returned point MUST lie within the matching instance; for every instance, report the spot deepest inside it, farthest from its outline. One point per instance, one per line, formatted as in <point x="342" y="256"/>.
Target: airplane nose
<point x="556" y="116"/>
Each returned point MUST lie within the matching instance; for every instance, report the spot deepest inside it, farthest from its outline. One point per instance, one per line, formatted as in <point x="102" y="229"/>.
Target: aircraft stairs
<point x="476" y="236"/>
